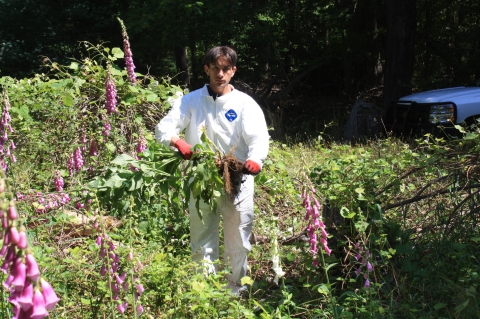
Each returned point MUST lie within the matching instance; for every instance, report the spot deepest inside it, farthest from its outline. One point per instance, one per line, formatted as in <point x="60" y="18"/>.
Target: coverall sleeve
<point x="176" y="120"/>
<point x="255" y="132"/>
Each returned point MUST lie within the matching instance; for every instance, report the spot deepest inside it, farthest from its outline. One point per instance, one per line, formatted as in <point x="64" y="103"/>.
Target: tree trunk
<point x="181" y="62"/>
<point x="401" y="28"/>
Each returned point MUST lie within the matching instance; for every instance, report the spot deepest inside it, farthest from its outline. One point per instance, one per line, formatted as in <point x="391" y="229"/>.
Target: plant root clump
<point x="230" y="168"/>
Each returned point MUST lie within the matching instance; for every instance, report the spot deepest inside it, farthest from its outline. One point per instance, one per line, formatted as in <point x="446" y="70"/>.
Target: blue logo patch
<point x="231" y="115"/>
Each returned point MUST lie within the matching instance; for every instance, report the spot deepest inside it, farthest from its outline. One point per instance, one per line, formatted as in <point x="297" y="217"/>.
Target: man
<point x="233" y="121"/>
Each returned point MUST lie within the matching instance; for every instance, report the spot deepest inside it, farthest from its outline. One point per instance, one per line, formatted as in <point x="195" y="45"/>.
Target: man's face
<point x="220" y="74"/>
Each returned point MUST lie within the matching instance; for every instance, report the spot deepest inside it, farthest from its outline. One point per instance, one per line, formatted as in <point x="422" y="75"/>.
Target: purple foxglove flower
<point x="4" y="222"/>
<point x="103" y="271"/>
<point x="139" y="310"/>
<point x="13" y="298"/>
<point x="140" y="289"/>
<point x="95" y="225"/>
<point x="25" y="300"/>
<point x="3" y="251"/>
<point x="358" y="271"/>
<point x="367" y="283"/>
<point x="103" y="252"/>
<point x="369" y="267"/>
<point x="6" y="239"/>
<point x="12" y="145"/>
<point x="327" y="250"/>
<point x="118" y="280"/>
<point x="14" y="159"/>
<point x="12" y="212"/>
<point x="123" y="276"/>
<point x="324" y="233"/>
<point x="130" y="256"/>
<point x="8" y="282"/>
<point x="315" y="262"/>
<point x="316" y="214"/>
<point x="22" y="314"/>
<point x="125" y="285"/>
<point x="33" y="272"/>
<point x="39" y="311"/>
<point x="358" y="256"/>
<point x="98" y="242"/>
<point x="19" y="272"/>
<point x="367" y="254"/>
<point x="120" y="308"/>
<point x="139" y="265"/>
<point x="79" y="205"/>
<point x="49" y="295"/>
<point x="22" y="240"/>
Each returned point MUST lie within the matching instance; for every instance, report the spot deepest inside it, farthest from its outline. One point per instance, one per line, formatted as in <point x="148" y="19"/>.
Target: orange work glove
<point x="184" y="148"/>
<point x="251" y="167"/>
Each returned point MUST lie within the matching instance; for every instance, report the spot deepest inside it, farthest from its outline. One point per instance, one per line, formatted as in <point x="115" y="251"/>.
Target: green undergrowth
<point x="402" y="217"/>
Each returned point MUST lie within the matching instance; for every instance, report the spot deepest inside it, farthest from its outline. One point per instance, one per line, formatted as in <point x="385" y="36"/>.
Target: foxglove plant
<point x="58" y="181"/>
<point x="30" y="294"/>
<point x="315" y="224"/>
<point x="128" y="54"/>
<point x="141" y="144"/>
<point x="364" y="265"/>
<point x="5" y="127"/>
<point x="110" y="94"/>
<point x="106" y="127"/>
<point x="117" y="280"/>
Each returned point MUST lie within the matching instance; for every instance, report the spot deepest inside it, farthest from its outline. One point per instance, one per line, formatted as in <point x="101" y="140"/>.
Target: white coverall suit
<point x="232" y="121"/>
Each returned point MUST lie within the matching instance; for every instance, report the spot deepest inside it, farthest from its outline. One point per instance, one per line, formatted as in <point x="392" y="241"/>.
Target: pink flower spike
<point x="19" y="272"/>
<point x="39" y="310"/>
<point x="26" y="296"/>
<point x="32" y="267"/>
<point x="49" y="295"/>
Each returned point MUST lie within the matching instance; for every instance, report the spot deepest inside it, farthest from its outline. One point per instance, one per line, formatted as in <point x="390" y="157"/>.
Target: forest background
<point x="85" y="173"/>
<point x="292" y="54"/>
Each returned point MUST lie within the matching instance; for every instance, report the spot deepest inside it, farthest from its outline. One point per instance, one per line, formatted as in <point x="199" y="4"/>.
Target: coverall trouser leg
<point x="237" y="226"/>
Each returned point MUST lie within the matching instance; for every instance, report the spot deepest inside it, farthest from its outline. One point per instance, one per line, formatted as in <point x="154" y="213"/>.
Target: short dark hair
<point x="221" y="52"/>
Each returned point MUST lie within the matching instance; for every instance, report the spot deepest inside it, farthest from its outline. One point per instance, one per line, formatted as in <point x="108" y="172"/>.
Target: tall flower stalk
<point x="30" y="294"/>
<point x="122" y="278"/>
<point x="316" y="228"/>
<point x="110" y="94"/>
<point x="128" y="54"/>
<point x="5" y="127"/>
